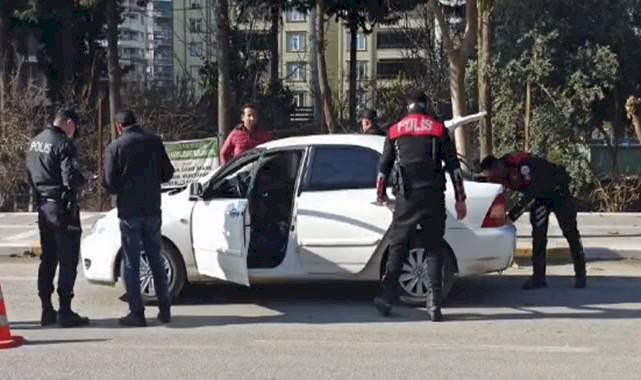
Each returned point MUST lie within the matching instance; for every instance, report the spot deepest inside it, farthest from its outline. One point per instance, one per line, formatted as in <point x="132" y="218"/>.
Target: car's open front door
<point x="220" y="223"/>
<point x="220" y="235"/>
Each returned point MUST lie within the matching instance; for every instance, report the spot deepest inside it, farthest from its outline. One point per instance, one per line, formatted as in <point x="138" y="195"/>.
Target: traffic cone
<point x="6" y="339"/>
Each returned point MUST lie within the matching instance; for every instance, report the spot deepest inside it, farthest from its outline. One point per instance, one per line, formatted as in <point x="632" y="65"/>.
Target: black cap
<point x="417" y="96"/>
<point x="369" y="114"/>
<point x="68" y="113"/>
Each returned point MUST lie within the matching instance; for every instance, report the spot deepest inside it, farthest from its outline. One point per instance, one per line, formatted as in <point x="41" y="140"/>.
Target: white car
<point x="301" y="208"/>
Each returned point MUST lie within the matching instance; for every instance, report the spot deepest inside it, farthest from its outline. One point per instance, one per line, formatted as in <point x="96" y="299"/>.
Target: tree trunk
<point x="353" y="38"/>
<point x="457" y="94"/>
<point x="113" y="66"/>
<point x="329" y="113"/>
<point x="67" y="42"/>
<point x="485" y="90"/>
<point x="457" y="57"/>
<point x="633" y="109"/>
<point x="273" y="45"/>
<point x="528" y="112"/>
<point x="4" y="67"/>
<point x="224" y="79"/>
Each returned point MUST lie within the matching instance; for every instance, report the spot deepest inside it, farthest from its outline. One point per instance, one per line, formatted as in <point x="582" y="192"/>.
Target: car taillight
<point x="496" y="214"/>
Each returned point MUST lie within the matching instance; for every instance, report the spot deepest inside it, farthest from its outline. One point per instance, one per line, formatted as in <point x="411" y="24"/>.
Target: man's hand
<point x="461" y="210"/>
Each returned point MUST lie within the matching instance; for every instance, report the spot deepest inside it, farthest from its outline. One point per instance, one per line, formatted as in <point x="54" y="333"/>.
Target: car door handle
<point x="234" y="213"/>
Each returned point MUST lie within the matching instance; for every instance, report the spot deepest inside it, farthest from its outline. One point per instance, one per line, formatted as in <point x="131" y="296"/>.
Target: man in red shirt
<point x="245" y="136"/>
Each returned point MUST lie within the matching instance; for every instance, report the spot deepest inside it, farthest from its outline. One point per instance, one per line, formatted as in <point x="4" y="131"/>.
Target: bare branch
<point x="471" y="27"/>
<point x="442" y="23"/>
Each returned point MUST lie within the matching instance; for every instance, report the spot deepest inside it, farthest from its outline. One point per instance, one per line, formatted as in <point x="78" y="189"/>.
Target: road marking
<point x="28" y="235"/>
<point x="434" y="346"/>
<point x="19" y="279"/>
<point x="18" y="226"/>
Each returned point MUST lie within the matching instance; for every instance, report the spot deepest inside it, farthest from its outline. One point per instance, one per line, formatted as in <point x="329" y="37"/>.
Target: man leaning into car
<point x="136" y="164"/>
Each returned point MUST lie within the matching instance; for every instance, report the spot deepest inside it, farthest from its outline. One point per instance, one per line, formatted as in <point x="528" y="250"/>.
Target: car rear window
<point x="341" y="168"/>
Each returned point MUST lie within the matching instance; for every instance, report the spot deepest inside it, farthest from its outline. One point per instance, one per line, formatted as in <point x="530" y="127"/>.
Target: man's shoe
<point x="534" y="283"/>
<point x="71" y="319"/>
<point x="435" y="315"/>
<point x="164" y="316"/>
<point x="384" y="308"/>
<point x="133" y="320"/>
<point x="580" y="282"/>
<point x="49" y="317"/>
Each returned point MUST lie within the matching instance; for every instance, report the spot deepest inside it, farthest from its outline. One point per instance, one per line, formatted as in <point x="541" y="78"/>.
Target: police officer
<point x="545" y="188"/>
<point x="416" y="147"/>
<point x="369" y="124"/>
<point x="55" y="177"/>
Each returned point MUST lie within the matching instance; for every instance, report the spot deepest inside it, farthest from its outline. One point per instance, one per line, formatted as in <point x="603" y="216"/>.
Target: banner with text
<point x="192" y="160"/>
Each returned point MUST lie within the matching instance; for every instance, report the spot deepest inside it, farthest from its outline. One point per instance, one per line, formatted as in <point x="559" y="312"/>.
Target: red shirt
<point x="241" y="140"/>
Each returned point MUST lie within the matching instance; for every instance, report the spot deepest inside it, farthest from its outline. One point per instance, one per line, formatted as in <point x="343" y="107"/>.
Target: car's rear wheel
<point x="174" y="269"/>
<point x="414" y="280"/>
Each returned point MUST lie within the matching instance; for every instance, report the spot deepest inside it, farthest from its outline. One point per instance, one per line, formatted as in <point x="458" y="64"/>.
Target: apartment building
<point x="132" y="43"/>
<point x="194" y="39"/>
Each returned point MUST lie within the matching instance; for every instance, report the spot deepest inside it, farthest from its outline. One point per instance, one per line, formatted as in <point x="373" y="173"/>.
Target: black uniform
<point x="416" y="147"/>
<point x="55" y="177"/>
<point x="545" y="188"/>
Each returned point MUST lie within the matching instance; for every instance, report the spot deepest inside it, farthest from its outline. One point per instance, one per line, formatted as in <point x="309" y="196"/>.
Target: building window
<point x="294" y="15"/>
<point x="299" y="99"/>
<point x="395" y="40"/>
<point x="361" y="70"/>
<point x="361" y="41"/>
<point x="196" y="49"/>
<point x="296" y="71"/>
<point x="391" y="68"/>
<point x="196" y="5"/>
<point x="196" y="25"/>
<point x="296" y="41"/>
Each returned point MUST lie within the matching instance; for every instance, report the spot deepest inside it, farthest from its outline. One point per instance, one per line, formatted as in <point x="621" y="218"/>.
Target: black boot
<point x="164" y="315"/>
<point x="133" y="320"/>
<point x="49" y="315"/>
<point x="67" y="318"/>
<point x="433" y="304"/>
<point x="580" y="281"/>
<point x="383" y="306"/>
<point x="534" y="283"/>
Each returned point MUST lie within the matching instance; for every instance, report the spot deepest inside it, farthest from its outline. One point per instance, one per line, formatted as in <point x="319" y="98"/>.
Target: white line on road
<point x="434" y="346"/>
<point x="23" y="236"/>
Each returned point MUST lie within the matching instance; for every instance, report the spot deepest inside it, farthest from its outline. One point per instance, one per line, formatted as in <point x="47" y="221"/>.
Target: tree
<point x="457" y="57"/>
<point x="633" y="110"/>
<point x="329" y="112"/>
<point x="7" y="9"/>
<point x="113" y="11"/>
<point x="486" y="29"/>
<point x="223" y="50"/>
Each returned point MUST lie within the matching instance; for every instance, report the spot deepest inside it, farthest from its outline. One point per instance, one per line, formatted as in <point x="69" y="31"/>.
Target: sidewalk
<point x="605" y="236"/>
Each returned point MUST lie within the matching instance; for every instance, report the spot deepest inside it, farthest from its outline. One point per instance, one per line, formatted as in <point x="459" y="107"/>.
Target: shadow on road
<point x="491" y="297"/>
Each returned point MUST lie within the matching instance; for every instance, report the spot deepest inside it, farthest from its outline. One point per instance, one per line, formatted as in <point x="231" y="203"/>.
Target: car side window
<point x="342" y="168"/>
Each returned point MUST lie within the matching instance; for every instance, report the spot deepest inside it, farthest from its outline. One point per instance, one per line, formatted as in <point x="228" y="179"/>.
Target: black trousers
<point x="419" y="206"/>
<point x="563" y="205"/>
<point x="60" y="240"/>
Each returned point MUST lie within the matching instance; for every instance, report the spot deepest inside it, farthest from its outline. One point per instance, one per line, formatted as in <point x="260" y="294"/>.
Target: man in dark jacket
<point x="545" y="188"/>
<point x="56" y="180"/>
<point x="135" y="166"/>
<point x="417" y="146"/>
<point x="369" y="125"/>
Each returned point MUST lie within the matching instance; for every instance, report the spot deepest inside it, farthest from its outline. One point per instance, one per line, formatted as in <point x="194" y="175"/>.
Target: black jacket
<point x="375" y="130"/>
<point x="52" y="165"/>
<point x="419" y="145"/>
<point x="136" y="164"/>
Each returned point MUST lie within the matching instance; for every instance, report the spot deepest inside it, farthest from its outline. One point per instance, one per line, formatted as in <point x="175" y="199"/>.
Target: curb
<point x="563" y="253"/>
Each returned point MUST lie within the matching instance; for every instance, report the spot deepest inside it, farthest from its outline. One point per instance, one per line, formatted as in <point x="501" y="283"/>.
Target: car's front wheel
<point x="174" y="269"/>
<point x="414" y="280"/>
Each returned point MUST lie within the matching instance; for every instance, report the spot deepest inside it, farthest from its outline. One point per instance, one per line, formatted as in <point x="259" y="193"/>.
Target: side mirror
<point x="195" y="191"/>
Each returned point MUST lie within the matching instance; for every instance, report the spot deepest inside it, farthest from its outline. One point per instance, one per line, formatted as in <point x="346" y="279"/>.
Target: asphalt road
<point x="331" y="331"/>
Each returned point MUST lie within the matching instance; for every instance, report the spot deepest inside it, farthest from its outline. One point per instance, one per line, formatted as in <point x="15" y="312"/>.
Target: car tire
<point x="416" y="297"/>
<point x="175" y="268"/>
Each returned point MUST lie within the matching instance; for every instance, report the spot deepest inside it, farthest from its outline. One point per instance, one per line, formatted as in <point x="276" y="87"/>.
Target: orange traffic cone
<point x="6" y="339"/>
